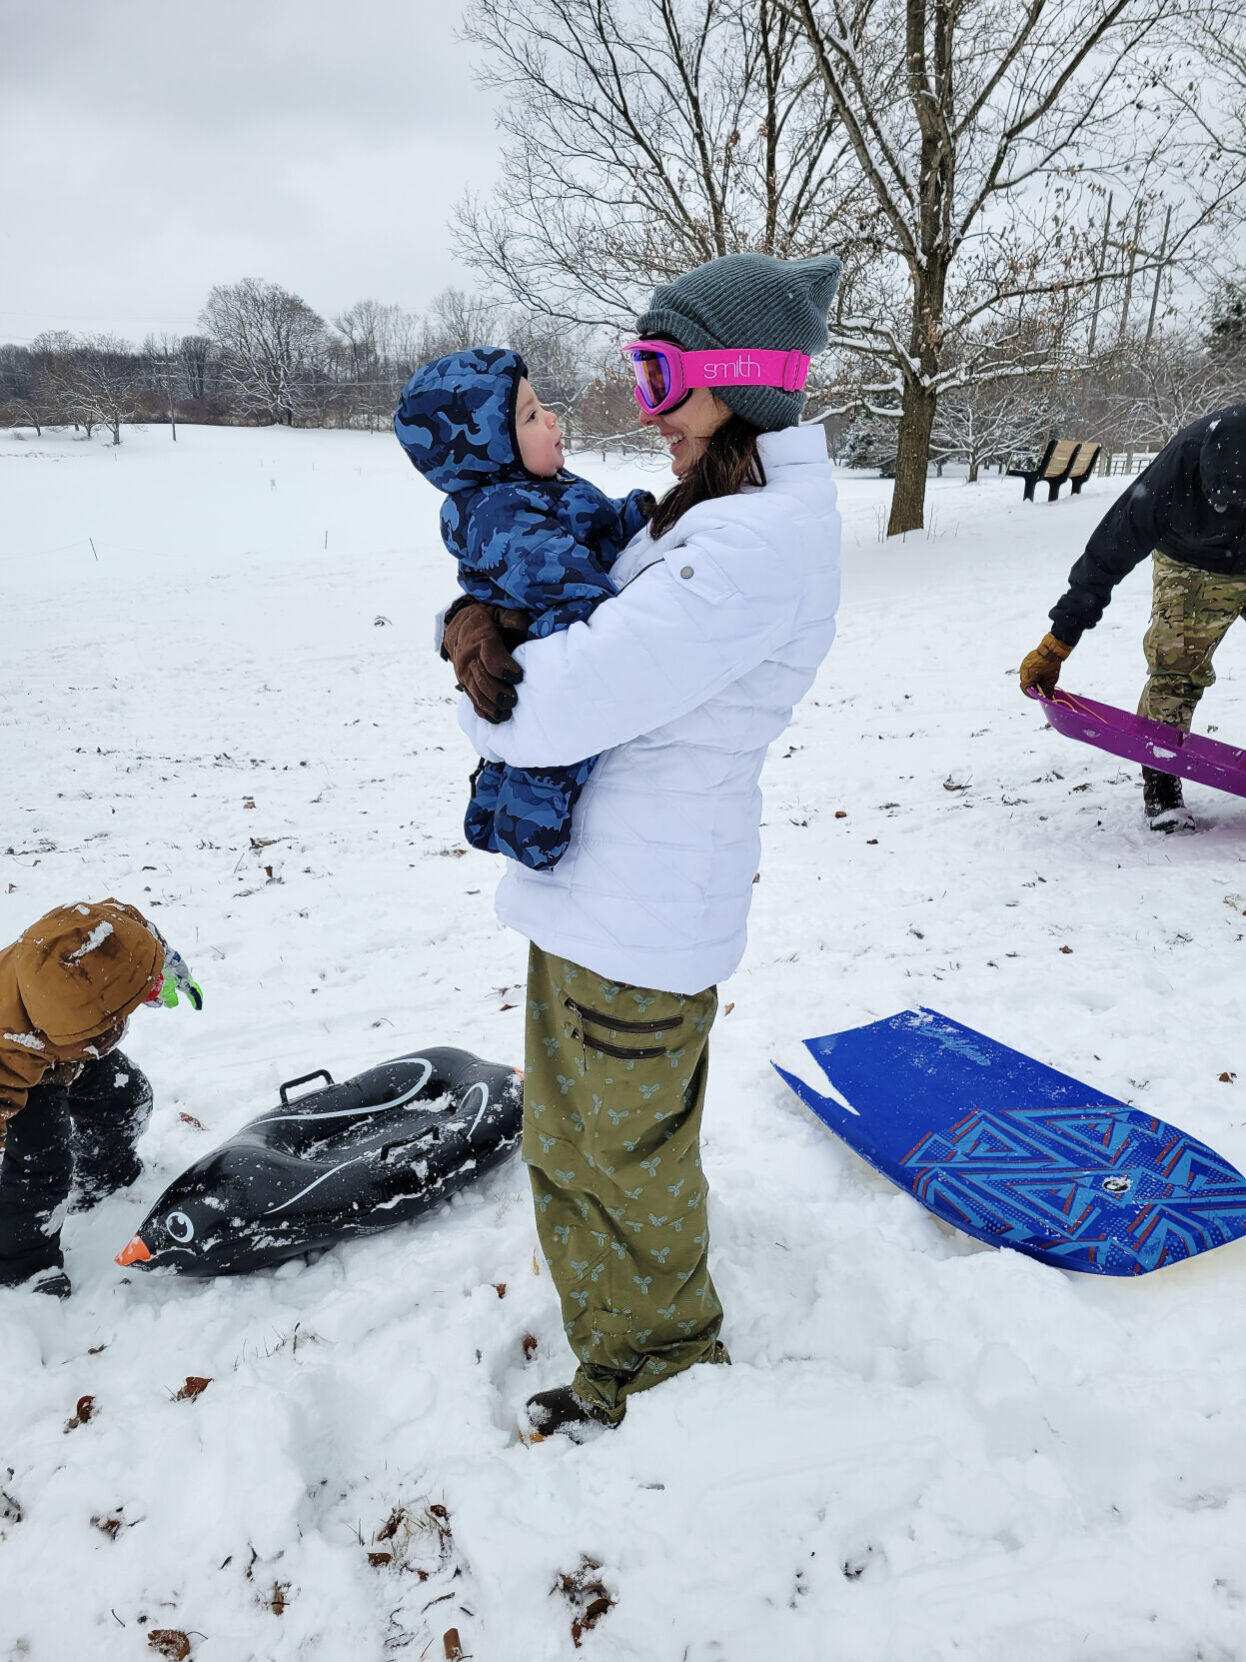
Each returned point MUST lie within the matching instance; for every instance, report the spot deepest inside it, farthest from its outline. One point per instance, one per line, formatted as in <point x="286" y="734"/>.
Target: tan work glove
<point x="477" y="640"/>
<point x="1041" y="668"/>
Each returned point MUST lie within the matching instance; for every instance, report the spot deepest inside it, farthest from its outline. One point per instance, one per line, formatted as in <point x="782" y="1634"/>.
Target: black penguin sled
<point x="345" y="1160"/>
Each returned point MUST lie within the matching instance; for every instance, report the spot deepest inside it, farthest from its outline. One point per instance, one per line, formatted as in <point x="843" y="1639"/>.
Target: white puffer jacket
<point x="683" y="680"/>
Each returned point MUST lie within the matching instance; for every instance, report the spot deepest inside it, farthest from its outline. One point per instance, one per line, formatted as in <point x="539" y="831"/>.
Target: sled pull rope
<point x="1059" y="696"/>
<point x="1071" y="701"/>
<point x="304" y="1079"/>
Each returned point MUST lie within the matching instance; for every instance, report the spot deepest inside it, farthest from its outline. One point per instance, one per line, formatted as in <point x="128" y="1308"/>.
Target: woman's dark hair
<point x="729" y="460"/>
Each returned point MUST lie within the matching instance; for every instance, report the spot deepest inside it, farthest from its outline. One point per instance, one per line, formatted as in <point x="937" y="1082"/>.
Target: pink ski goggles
<point x="666" y="374"/>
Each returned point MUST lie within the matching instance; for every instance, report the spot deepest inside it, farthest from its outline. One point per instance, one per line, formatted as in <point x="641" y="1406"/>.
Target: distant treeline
<point x="264" y="357"/>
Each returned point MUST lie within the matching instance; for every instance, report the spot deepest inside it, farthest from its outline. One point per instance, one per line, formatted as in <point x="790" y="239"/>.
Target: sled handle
<point x="304" y="1079"/>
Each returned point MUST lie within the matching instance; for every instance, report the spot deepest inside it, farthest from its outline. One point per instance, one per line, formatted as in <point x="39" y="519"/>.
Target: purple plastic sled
<point x="1152" y="743"/>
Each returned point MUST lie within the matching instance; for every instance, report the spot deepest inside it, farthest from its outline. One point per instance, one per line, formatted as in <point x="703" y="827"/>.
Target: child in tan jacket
<point x="71" y="1105"/>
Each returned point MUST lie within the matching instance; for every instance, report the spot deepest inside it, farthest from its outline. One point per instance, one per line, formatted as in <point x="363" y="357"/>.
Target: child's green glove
<point x="177" y="977"/>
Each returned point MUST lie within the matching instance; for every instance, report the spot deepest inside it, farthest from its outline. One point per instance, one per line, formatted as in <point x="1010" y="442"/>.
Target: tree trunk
<point x="908" y="499"/>
<point x="973" y="471"/>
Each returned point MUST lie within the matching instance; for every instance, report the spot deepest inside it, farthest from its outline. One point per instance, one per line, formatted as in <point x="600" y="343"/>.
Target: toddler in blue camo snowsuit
<point x="526" y="534"/>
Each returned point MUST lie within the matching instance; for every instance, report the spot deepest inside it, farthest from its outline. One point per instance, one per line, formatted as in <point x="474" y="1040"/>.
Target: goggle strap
<point x="732" y="367"/>
<point x="746" y="366"/>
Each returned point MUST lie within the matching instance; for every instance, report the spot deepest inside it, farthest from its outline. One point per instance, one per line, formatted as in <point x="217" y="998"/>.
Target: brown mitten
<point x="1041" y="668"/>
<point x="477" y="640"/>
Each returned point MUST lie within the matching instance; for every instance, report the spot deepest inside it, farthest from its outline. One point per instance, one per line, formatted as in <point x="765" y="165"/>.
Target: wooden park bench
<point x="1065" y="461"/>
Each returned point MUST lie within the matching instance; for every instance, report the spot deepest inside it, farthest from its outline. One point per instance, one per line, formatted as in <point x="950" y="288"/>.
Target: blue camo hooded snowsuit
<point x="543" y="546"/>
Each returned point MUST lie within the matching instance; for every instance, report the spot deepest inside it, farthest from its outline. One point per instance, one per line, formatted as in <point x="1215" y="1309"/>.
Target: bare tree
<point x="102" y="377"/>
<point x="23" y="399"/>
<point x="162" y="366"/>
<point x="982" y="143"/>
<point x="985" y="421"/>
<point x="50" y="400"/>
<point x="458" y="319"/>
<point x="1214" y="92"/>
<point x="645" y="137"/>
<point x="380" y="345"/>
<point x="194" y="353"/>
<point x="272" y="347"/>
<point x="89" y="380"/>
<point x="1142" y="391"/>
<point x="605" y="410"/>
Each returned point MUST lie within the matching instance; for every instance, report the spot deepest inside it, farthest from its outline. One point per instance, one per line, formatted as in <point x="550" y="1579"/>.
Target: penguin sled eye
<point x="180" y="1227"/>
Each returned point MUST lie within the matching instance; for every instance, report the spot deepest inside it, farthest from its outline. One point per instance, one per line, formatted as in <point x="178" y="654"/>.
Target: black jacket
<point x="1189" y="504"/>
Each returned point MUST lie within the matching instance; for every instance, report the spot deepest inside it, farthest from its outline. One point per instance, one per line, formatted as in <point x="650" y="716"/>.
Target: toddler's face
<point x="540" y="436"/>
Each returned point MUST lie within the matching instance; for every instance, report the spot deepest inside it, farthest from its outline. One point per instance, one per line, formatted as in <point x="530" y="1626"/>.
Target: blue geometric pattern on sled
<point x="347" y="1160"/>
<point x="541" y="546"/>
<point x="1018" y="1155"/>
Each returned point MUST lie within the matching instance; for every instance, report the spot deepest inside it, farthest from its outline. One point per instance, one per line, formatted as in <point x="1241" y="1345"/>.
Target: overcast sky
<point x="152" y="148"/>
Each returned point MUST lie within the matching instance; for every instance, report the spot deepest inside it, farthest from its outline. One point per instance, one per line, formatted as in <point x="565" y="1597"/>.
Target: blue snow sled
<point x="1018" y="1155"/>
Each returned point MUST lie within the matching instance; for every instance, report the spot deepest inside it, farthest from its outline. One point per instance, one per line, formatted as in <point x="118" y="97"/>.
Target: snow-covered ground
<point x="926" y="1449"/>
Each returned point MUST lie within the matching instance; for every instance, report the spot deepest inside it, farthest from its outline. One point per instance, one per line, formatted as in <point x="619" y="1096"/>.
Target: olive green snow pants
<point x="613" y="1091"/>
<point x="1190" y="612"/>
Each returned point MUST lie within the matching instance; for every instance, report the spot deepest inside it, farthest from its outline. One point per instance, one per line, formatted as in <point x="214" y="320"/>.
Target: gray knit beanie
<point x="748" y="300"/>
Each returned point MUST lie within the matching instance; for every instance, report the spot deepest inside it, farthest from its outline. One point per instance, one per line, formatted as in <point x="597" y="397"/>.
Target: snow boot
<point x="1163" y="803"/>
<point x="40" y="1270"/>
<point x="559" y="1413"/>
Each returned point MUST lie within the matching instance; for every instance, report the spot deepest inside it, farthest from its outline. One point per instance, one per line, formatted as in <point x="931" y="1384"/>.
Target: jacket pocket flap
<point x="695" y="570"/>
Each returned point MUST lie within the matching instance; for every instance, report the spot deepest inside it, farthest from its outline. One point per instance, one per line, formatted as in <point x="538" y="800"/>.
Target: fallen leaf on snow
<point x="588" y="1598"/>
<point x="83" y="1412"/>
<point x="171" y="1642"/>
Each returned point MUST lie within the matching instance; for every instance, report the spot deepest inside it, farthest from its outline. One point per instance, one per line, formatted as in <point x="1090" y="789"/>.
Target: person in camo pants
<point x="678" y="684"/>
<point x="1190" y="612"/>
<point x="1187" y="510"/>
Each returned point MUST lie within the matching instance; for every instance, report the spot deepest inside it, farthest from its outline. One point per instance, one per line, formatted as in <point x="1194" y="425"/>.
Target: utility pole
<point x="166" y="364"/>
<point x="1159" y="272"/>
<point x="1103" y="254"/>
<point x="1129" y="280"/>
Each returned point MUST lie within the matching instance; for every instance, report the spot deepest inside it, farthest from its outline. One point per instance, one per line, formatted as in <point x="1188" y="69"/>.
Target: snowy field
<point x="228" y="712"/>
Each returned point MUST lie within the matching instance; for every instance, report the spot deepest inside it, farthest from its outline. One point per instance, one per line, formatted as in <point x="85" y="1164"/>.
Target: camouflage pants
<point x="1190" y="612"/>
<point x="613" y="1091"/>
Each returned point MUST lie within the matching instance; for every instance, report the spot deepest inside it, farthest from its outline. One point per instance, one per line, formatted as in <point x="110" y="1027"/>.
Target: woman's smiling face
<point x="687" y="428"/>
